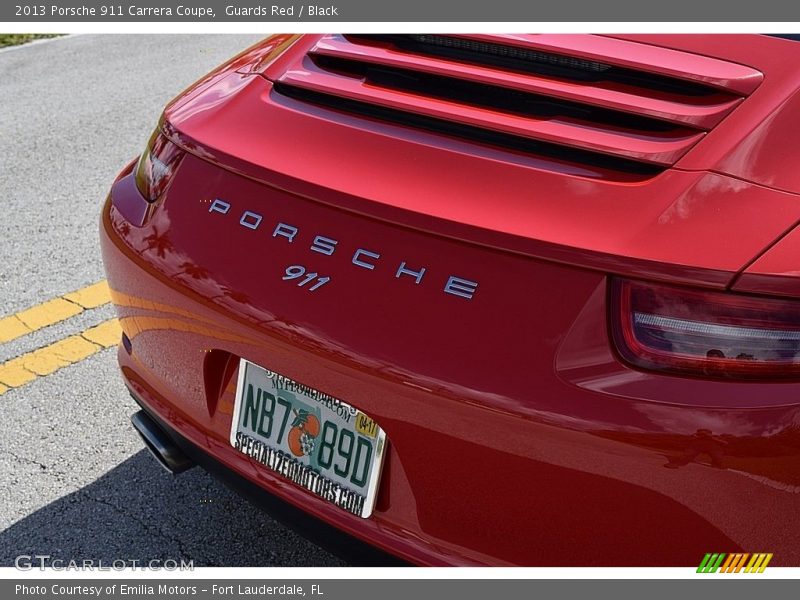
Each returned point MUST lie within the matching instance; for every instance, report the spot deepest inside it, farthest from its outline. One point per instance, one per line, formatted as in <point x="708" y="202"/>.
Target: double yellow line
<point x="43" y="361"/>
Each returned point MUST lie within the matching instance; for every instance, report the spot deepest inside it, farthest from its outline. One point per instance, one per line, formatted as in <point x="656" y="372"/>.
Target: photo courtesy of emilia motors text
<point x="347" y="298"/>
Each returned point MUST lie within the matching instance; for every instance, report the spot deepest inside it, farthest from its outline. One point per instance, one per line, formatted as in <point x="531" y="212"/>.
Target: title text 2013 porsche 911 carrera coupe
<point x="479" y="299"/>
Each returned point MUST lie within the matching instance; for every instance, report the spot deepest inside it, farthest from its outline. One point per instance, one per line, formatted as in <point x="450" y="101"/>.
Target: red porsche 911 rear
<point x="480" y="299"/>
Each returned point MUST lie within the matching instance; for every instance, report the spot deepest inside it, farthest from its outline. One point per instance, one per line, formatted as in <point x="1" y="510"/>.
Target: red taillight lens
<point x="705" y="333"/>
<point x="157" y="166"/>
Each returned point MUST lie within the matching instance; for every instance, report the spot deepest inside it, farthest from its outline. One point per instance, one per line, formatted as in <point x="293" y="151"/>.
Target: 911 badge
<point x="298" y="271"/>
<point x="363" y="258"/>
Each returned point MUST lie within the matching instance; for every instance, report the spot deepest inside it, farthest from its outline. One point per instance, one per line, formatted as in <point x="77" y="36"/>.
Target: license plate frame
<point x="315" y="458"/>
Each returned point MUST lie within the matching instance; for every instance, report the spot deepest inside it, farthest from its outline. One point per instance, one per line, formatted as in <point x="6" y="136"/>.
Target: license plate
<point x="319" y="442"/>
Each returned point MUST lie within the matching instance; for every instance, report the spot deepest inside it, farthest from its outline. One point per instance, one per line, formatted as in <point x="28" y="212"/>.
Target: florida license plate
<point x="319" y="442"/>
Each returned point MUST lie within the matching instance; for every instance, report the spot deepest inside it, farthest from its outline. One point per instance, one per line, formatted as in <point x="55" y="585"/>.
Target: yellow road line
<point x="19" y="371"/>
<point x="91" y="296"/>
<point x="106" y="334"/>
<point x="53" y="311"/>
<point x="47" y="313"/>
<point x="11" y="328"/>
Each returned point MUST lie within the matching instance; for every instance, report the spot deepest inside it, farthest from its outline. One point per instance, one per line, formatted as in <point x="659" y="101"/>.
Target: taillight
<point x="705" y="333"/>
<point x="156" y="166"/>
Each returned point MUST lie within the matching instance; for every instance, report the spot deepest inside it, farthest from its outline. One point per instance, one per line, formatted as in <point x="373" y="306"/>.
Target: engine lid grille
<point x="630" y="106"/>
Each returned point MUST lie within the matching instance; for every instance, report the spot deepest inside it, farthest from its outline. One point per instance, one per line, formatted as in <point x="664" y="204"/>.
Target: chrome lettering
<point x="287" y="231"/>
<point x="417" y="275"/>
<point x="361" y="263"/>
<point x="366" y="259"/>
<point x="324" y="245"/>
<point x="250" y="219"/>
<point x="461" y="287"/>
<point x="219" y="206"/>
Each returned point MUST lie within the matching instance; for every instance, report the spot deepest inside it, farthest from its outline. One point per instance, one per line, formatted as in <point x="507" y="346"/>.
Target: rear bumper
<point x="515" y="434"/>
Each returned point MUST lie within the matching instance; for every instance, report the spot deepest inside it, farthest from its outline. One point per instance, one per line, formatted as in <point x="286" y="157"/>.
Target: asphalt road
<point x="75" y="480"/>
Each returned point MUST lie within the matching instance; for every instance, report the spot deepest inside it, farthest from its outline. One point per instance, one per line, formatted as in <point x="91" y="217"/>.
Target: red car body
<point x="527" y="421"/>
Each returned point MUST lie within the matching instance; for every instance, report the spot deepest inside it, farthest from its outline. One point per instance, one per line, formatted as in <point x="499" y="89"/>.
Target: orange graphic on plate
<point x="303" y="434"/>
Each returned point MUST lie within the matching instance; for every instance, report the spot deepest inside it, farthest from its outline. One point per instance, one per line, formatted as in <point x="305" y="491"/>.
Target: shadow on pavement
<point x="137" y="511"/>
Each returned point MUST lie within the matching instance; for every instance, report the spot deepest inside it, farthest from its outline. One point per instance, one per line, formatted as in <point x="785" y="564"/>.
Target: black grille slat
<point x="550" y="64"/>
<point x="491" y="97"/>
<point x="470" y="133"/>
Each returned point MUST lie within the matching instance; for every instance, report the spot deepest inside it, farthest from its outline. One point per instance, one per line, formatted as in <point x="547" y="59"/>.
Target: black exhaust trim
<point x="160" y="444"/>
